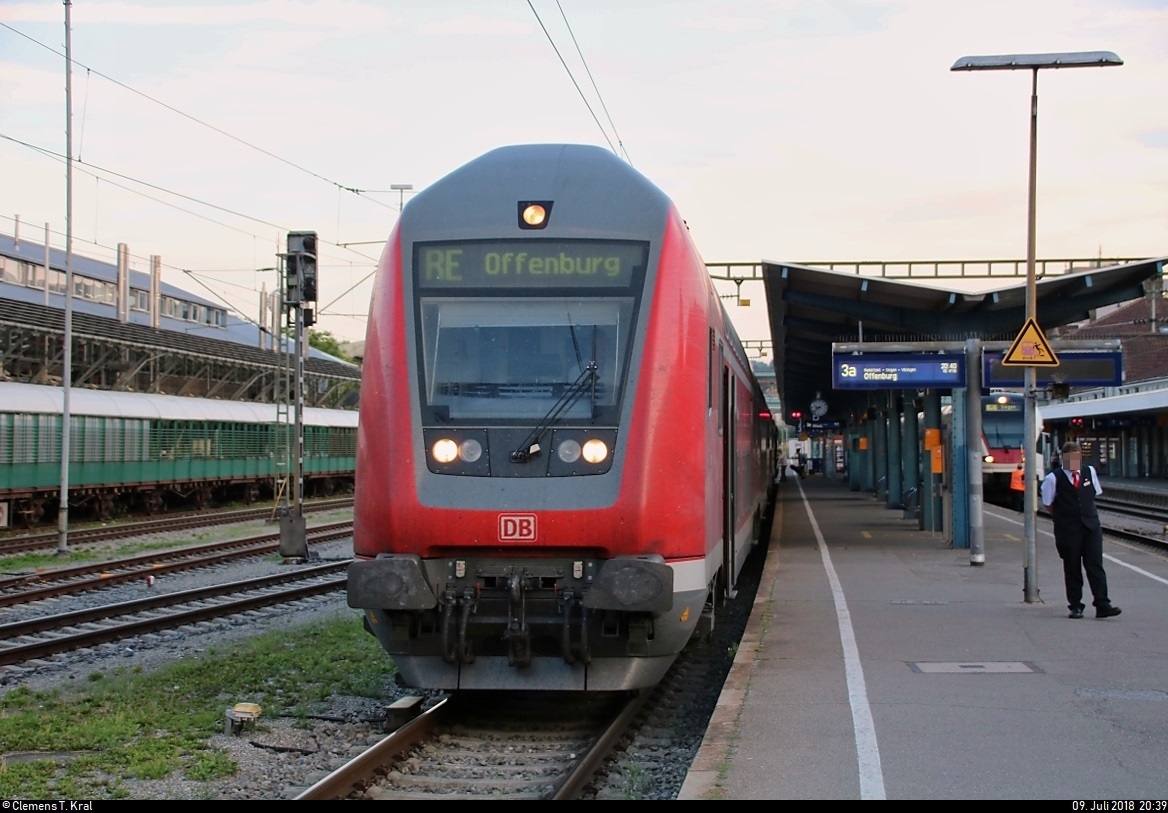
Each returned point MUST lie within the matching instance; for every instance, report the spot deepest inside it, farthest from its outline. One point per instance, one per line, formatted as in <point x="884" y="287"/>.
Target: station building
<point x="134" y="332"/>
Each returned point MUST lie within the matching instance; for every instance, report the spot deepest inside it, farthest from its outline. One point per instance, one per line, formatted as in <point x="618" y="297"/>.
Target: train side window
<point x="47" y="437"/>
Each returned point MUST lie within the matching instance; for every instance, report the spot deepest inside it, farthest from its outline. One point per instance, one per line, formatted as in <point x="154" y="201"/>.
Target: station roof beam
<point x="810" y="308"/>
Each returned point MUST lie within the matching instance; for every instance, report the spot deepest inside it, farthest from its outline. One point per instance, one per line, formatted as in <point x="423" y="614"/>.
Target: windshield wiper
<point x="529" y="448"/>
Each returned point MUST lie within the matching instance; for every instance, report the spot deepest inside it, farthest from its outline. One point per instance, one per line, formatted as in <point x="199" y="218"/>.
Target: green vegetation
<point x="92" y="554"/>
<point x="635" y="782"/>
<point x="149" y="725"/>
<point x="326" y="342"/>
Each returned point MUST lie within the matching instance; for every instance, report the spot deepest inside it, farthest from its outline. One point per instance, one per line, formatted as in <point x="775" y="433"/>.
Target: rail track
<point x="23" y="588"/>
<point x="472" y="746"/>
<point x="667" y="730"/>
<point x="41" y="637"/>
<point x="48" y="540"/>
<point x="1133" y="510"/>
<point x="1131" y="516"/>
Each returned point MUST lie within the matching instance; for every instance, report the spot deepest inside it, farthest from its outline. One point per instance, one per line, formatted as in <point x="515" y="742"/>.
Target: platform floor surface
<point x="880" y="663"/>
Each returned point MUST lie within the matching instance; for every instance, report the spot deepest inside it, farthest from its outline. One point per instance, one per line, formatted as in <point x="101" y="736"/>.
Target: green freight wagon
<point x="136" y="450"/>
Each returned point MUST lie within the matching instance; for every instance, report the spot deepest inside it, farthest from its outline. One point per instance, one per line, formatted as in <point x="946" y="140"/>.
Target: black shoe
<point x="1106" y="612"/>
<point x="1076" y="613"/>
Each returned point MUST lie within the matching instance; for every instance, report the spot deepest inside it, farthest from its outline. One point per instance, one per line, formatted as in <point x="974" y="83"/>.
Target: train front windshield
<point x="1003" y="425"/>
<point x="514" y="358"/>
<point x="507" y="351"/>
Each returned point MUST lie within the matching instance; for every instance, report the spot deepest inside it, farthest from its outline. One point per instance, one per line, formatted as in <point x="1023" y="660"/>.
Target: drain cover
<point x="973" y="668"/>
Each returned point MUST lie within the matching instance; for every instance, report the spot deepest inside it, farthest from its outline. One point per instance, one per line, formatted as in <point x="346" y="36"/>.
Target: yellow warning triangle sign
<point x="1030" y="349"/>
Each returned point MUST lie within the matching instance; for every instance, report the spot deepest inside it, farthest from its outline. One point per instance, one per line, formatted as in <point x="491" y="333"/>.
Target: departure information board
<point x="1093" y="368"/>
<point x="884" y="371"/>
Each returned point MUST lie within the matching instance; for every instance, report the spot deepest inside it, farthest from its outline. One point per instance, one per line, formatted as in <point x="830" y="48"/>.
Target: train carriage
<point x="565" y="457"/>
<point x="139" y="448"/>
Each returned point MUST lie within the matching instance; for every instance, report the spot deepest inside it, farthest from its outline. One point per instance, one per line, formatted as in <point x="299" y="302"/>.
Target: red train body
<point x="563" y="455"/>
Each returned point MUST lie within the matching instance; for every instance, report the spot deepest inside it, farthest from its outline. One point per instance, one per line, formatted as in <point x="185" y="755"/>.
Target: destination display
<point x="529" y="264"/>
<point x="883" y="371"/>
<point x="1089" y="368"/>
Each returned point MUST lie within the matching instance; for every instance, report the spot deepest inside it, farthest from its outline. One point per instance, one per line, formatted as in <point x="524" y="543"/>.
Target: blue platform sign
<point x="1089" y="368"/>
<point x="890" y="371"/>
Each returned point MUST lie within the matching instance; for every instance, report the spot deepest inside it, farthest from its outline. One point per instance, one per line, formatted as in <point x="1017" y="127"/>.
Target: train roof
<point x="472" y="192"/>
<point x="43" y="399"/>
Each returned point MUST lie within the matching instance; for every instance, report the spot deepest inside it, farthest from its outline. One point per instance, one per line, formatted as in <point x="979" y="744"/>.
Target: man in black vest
<point x="1069" y="493"/>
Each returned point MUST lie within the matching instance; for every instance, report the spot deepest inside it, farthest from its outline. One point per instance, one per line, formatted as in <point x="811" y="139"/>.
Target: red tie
<point x="1075" y="479"/>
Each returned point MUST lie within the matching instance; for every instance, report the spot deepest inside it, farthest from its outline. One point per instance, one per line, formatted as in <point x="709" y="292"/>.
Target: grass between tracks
<point x="75" y="743"/>
<point x="46" y="562"/>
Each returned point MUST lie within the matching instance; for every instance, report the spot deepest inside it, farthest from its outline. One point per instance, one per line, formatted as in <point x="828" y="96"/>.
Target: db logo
<point x="516" y="527"/>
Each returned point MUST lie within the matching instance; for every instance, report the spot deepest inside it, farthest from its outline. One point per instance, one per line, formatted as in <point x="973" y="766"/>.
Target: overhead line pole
<point x="67" y="359"/>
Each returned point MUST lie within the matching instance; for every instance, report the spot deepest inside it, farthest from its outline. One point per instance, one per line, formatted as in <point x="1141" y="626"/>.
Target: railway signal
<point x="300" y="293"/>
<point x="301" y="272"/>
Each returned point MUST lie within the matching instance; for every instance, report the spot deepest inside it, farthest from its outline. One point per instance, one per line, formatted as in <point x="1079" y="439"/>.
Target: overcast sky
<point x="785" y="130"/>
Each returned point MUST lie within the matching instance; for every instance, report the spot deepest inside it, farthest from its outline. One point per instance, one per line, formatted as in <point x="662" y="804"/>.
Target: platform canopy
<point x="811" y="308"/>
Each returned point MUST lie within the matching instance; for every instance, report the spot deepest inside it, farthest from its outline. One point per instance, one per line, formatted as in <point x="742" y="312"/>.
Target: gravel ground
<point x="278" y="758"/>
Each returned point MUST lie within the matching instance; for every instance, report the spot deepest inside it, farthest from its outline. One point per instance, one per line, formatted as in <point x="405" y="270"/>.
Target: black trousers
<point x="1082" y="549"/>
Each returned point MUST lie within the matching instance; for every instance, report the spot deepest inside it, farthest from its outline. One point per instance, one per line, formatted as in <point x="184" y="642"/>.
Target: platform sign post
<point x="1030" y="350"/>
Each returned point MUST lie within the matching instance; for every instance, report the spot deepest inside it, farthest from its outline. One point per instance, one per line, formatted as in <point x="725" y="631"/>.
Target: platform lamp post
<point x="1033" y="63"/>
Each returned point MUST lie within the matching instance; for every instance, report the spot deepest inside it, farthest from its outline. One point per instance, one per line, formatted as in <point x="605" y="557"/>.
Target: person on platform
<point x="1018" y="486"/>
<point x="1069" y="493"/>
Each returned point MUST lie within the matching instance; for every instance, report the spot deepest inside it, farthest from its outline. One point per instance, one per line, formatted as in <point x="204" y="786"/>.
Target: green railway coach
<point x="142" y="449"/>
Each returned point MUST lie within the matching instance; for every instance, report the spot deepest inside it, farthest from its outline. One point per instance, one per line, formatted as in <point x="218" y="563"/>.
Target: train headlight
<point x="595" y="450"/>
<point x="569" y="451"/>
<point x="470" y="450"/>
<point x="444" y="450"/>
<point x="464" y="452"/>
<point x="534" y="214"/>
<point x="581" y="451"/>
<point x="989" y="458"/>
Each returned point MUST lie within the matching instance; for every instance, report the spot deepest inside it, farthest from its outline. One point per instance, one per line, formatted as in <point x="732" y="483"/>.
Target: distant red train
<point x="564" y="457"/>
<point x="1003" y="432"/>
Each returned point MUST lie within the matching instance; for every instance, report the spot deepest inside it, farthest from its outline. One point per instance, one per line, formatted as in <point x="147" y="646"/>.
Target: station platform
<point x="879" y="663"/>
<point x="1153" y="488"/>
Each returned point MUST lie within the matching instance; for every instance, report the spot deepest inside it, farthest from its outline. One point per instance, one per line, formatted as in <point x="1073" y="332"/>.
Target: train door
<point x="727" y="408"/>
